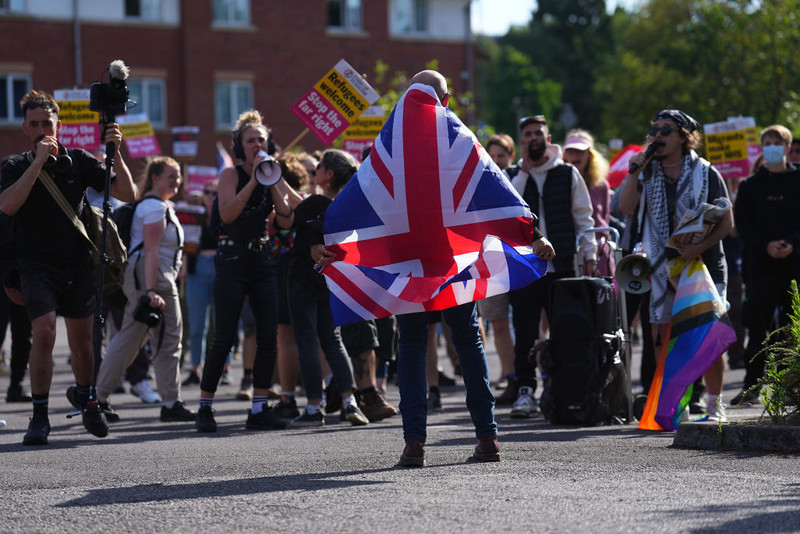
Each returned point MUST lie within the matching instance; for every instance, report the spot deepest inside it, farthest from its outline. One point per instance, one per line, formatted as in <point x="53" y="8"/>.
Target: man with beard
<point x="53" y="259"/>
<point x="558" y="195"/>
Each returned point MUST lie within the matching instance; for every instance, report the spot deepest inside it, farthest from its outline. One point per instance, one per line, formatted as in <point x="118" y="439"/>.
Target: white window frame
<point x="143" y="102"/>
<point x="231" y="11"/>
<point x="413" y="7"/>
<point x="349" y="22"/>
<point x="13" y="6"/>
<point x="12" y="102"/>
<point x="149" y="10"/>
<point x="234" y="107"/>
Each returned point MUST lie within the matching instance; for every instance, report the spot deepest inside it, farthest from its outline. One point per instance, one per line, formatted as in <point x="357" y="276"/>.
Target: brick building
<point x="200" y="62"/>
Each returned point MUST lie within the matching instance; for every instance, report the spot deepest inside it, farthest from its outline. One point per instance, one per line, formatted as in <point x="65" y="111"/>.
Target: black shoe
<point x="308" y="419"/>
<point x="333" y="398"/>
<point x="205" y="420"/>
<point x="286" y="408"/>
<point x="192" y="380"/>
<point x="698" y="406"/>
<point x="178" y="413"/>
<point x="74" y="399"/>
<point x="94" y="420"/>
<point x="111" y="415"/>
<point x="38" y="430"/>
<point x="353" y="413"/>
<point x="16" y="393"/>
<point x="264" y="420"/>
<point x="746" y="397"/>
<point x="434" y="401"/>
<point x="445" y="380"/>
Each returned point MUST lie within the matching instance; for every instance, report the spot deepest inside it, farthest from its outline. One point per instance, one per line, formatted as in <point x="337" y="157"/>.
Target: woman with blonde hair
<point x="579" y="151"/>
<point x="154" y="261"/>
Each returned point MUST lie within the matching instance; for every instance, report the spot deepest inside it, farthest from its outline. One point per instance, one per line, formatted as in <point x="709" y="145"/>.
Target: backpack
<point x="123" y="218"/>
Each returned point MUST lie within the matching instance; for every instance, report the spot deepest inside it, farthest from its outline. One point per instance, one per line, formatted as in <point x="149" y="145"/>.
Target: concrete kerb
<point x="745" y="431"/>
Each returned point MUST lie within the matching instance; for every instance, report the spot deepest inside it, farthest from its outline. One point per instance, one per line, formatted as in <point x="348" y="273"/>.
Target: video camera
<point x="111" y="99"/>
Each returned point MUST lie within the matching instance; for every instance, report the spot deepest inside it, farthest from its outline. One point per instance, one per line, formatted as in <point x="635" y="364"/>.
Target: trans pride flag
<point x="700" y="332"/>
<point x="427" y="222"/>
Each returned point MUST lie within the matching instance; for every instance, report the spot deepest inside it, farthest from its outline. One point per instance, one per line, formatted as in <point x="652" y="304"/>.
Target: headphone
<point x="238" y="149"/>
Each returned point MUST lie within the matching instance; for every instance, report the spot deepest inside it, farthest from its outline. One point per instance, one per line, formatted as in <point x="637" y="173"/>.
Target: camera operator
<point x="53" y="258"/>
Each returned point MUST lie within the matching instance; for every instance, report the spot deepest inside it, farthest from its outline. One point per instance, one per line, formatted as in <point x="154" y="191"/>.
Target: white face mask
<point x="773" y="154"/>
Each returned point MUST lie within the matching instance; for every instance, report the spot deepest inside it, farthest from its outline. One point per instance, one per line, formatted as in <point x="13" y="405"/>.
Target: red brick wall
<point x="287" y="52"/>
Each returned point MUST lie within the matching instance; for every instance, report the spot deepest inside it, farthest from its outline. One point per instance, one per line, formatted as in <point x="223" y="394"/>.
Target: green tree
<point x="511" y="87"/>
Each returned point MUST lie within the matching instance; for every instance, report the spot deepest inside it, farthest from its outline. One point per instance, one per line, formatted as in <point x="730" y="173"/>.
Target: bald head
<point x="435" y="80"/>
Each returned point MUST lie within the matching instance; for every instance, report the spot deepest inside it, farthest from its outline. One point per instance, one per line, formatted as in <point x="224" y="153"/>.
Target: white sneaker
<point x="525" y="405"/>
<point x="716" y="413"/>
<point x="145" y="392"/>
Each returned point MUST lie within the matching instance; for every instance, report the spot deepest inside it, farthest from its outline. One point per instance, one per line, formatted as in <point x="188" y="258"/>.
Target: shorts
<point x="45" y="288"/>
<point x="494" y="308"/>
<point x="359" y="337"/>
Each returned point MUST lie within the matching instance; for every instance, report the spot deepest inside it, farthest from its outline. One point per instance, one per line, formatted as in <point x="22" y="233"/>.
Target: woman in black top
<point x="244" y="266"/>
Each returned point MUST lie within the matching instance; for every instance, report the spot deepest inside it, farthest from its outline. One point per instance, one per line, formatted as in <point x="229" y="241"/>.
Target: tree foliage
<point x="711" y="58"/>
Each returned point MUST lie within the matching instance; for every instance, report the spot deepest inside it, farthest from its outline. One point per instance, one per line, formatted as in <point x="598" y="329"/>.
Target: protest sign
<point x="138" y="135"/>
<point x="335" y="102"/>
<point x="184" y="142"/>
<point x="198" y="176"/>
<point x="79" y="124"/>
<point x="726" y="148"/>
<point x="191" y="219"/>
<point x="748" y="124"/>
<point x="363" y="131"/>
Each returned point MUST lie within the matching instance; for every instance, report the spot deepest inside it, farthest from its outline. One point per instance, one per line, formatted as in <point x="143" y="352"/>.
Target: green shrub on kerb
<point x="780" y="384"/>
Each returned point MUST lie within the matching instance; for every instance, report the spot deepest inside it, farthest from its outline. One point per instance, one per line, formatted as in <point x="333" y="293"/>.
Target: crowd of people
<point x="255" y="275"/>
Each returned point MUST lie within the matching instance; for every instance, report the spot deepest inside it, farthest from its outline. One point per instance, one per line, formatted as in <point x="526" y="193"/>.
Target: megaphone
<point x="268" y="171"/>
<point x="633" y="273"/>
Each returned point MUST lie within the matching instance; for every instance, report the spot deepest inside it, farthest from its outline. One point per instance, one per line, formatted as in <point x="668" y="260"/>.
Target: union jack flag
<point x="428" y="221"/>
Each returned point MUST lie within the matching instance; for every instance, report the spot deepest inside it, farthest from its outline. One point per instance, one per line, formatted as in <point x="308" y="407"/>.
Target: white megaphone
<point x="268" y="171"/>
<point x="633" y="273"/>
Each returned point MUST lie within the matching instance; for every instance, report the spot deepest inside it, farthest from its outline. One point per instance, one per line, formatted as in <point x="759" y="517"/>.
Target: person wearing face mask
<point x="768" y="223"/>
<point x="558" y="196"/>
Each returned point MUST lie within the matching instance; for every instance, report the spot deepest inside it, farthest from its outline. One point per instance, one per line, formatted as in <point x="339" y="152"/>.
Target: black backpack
<point x="123" y="217"/>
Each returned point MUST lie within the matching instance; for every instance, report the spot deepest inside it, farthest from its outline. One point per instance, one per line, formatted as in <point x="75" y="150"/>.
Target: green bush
<point x="780" y="384"/>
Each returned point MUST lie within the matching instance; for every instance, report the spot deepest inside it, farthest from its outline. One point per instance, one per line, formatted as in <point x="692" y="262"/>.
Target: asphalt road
<point x="148" y="476"/>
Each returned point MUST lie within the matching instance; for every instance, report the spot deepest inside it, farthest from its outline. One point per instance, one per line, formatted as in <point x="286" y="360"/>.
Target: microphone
<point x="648" y="155"/>
<point x="118" y="69"/>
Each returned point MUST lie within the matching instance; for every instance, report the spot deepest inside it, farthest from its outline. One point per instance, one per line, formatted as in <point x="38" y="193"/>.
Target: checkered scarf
<point x="692" y="191"/>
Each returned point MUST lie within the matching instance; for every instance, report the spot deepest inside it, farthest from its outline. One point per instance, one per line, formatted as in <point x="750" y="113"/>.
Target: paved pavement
<point x="148" y="476"/>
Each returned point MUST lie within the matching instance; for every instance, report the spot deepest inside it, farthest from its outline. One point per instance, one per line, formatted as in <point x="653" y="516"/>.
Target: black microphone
<point x="648" y="154"/>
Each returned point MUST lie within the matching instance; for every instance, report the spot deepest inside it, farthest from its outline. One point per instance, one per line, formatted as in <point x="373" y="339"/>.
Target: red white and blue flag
<point x="224" y="159"/>
<point x="428" y="221"/>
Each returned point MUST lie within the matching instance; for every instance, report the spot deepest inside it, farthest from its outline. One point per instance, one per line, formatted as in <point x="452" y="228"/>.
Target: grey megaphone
<point x="268" y="171"/>
<point x="633" y="274"/>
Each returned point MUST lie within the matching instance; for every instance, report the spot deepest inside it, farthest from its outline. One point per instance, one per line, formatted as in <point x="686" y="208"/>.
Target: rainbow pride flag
<point x="700" y="333"/>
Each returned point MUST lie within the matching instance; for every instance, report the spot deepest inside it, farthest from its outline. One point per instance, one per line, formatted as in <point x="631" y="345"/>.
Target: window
<point x="230" y="99"/>
<point x="143" y="9"/>
<point x="232" y="12"/>
<point x="149" y="95"/>
<point x="13" y="87"/>
<point x="12" y="6"/>
<point x="344" y="14"/>
<point x="409" y="16"/>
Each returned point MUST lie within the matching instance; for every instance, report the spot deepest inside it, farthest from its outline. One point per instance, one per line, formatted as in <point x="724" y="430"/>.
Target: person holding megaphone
<point x="665" y="181"/>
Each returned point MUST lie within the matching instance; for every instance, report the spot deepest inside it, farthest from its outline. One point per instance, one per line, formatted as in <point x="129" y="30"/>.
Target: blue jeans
<point x="463" y="322"/>
<point x="311" y="315"/>
<point x="199" y="297"/>
<point x="243" y="272"/>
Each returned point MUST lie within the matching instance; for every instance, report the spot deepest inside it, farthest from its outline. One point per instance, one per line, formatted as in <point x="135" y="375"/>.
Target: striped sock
<point x="206" y="402"/>
<point x="259" y="402"/>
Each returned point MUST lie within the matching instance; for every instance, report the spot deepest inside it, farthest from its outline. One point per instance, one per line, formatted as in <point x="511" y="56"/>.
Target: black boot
<point x="16" y="393"/>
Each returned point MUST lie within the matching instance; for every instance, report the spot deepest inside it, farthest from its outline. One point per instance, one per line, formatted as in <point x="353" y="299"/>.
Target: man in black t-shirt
<point x="53" y="258"/>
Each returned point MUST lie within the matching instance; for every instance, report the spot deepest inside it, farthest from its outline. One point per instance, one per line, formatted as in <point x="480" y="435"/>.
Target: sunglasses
<point x="664" y="131"/>
<point x="209" y="193"/>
